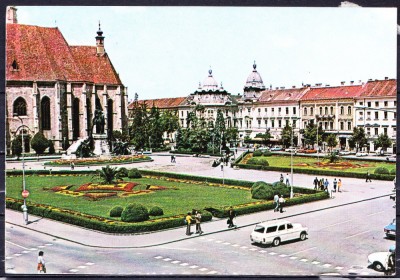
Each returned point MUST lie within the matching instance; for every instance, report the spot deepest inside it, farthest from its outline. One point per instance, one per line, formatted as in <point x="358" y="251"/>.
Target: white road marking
<point x="327" y="265"/>
<point x="262" y="251"/>
<point x="336" y="224"/>
<point x="9" y="258"/>
<point x="293" y="258"/>
<point x="194" y="266"/>
<point x="33" y="249"/>
<point x="202" y="238"/>
<point x="235" y="245"/>
<point x="73" y="270"/>
<point x="304" y="260"/>
<point x="351" y="271"/>
<point x="25" y="252"/>
<point x="226" y="243"/>
<point x="158" y="257"/>
<point x="210" y="239"/>
<point x="315" y="262"/>
<point x="41" y="246"/>
<point x="302" y="251"/>
<point x="272" y="253"/>
<point x="184" y="264"/>
<point x="82" y="266"/>
<point x="375" y="213"/>
<point x="243" y="247"/>
<point x="176" y="262"/>
<point x="364" y="273"/>
<point x="203" y="269"/>
<point x="167" y="259"/>
<point x="17" y="255"/>
<point x="17" y="245"/>
<point x="89" y="263"/>
<point x="357" y="234"/>
<point x="339" y="268"/>
<point x="48" y="244"/>
<point x="218" y="241"/>
<point x="212" y="272"/>
<point x="253" y="249"/>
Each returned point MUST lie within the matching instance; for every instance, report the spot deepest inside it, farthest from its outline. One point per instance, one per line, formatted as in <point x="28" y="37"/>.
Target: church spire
<point x="100" y="42"/>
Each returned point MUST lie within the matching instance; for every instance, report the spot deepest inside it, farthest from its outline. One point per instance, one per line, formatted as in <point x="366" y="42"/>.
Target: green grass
<point x="173" y="202"/>
<point x="359" y="166"/>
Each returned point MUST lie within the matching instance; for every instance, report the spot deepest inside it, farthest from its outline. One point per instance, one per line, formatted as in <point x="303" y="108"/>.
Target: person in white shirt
<point x="281" y="202"/>
<point x="41" y="267"/>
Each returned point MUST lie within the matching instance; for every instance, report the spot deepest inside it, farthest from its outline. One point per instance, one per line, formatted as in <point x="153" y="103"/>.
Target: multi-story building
<point x="55" y="88"/>
<point x="376" y="111"/>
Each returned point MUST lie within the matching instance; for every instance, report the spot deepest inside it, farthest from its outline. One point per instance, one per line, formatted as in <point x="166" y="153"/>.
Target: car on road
<point x="277" y="231"/>
<point x="390" y="229"/>
<point x="291" y="149"/>
<point x="361" y="154"/>
<point x="276" y="148"/>
<point x="345" y="153"/>
<point x="379" y="261"/>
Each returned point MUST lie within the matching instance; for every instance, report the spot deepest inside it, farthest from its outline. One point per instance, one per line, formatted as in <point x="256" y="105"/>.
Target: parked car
<point x="275" y="232"/>
<point x="390" y="229"/>
<point x="276" y="148"/>
<point x="361" y="154"/>
<point x="344" y="153"/>
<point x="291" y="149"/>
<point x="379" y="260"/>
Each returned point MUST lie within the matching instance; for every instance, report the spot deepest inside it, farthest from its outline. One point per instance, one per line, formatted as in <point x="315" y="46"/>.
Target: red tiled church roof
<point x="161" y="103"/>
<point x="42" y="54"/>
<point x="380" y="88"/>
<point x="282" y="95"/>
<point x="333" y="92"/>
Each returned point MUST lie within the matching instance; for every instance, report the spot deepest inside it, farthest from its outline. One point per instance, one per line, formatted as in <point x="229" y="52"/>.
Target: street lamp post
<point x="24" y="191"/>
<point x="291" y="165"/>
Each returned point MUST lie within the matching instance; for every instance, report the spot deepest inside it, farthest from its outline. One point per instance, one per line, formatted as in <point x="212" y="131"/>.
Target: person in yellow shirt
<point x="339" y="184"/>
<point x="188" y="223"/>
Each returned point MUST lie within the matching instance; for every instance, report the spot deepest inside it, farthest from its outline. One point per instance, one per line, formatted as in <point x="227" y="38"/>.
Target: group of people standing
<point x="196" y="216"/>
<point x="323" y="185"/>
<point x="279" y="202"/>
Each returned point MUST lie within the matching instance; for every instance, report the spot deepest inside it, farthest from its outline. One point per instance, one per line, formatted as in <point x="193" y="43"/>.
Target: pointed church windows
<point x="19" y="107"/>
<point x="14" y="65"/>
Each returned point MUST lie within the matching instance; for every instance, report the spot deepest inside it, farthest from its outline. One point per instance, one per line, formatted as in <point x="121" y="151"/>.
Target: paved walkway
<point x="354" y="190"/>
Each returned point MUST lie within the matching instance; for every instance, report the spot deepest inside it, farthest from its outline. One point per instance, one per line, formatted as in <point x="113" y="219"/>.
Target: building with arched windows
<point x="55" y="88"/>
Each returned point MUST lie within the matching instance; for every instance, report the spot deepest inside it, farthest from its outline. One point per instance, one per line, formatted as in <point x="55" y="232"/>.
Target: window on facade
<point x="368" y="131"/>
<point x="361" y="113"/>
<point x="369" y="104"/>
<point x="182" y="123"/>
<point x="376" y="104"/>
<point x="14" y="65"/>
<point x="287" y="110"/>
<point x="376" y="115"/>
<point x="331" y="110"/>
<point x="248" y="110"/>
<point x="349" y="110"/>
<point x="287" y="122"/>
<point x="279" y="110"/>
<point x="272" y="110"/>
<point x="19" y="107"/>
<point x="294" y="123"/>
<point x="273" y="123"/>
<point x="320" y="110"/>
<point x="394" y="115"/>
<point x="385" y="115"/>
<point x="376" y="131"/>
<point x="385" y="103"/>
<point x="342" y="110"/>
<point x="265" y="110"/>
<point x="45" y="110"/>
<point x="326" y="125"/>
<point x="360" y="103"/>
<point x="279" y="123"/>
<point x="394" y="103"/>
<point x="385" y="130"/>
<point x="266" y="122"/>
<point x="294" y="110"/>
<point x="326" y="110"/>
<point x="305" y="111"/>
<point x="226" y="112"/>
<point x="368" y="115"/>
<point x="259" y="110"/>
<point x="312" y="111"/>
<point x="181" y="113"/>
<point x="341" y="126"/>
<point x="349" y="126"/>
<point x="259" y="123"/>
<point x="331" y="125"/>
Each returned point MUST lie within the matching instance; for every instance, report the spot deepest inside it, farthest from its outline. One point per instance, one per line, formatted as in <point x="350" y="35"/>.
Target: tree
<point x="16" y="147"/>
<point x="220" y="129"/>
<point x="120" y="136"/>
<point x="232" y="135"/>
<point x="155" y="129"/>
<point x="265" y="136"/>
<point x="169" y="121"/>
<point x="358" y="139"/>
<point x="138" y="130"/>
<point x="39" y="143"/>
<point x="287" y="134"/>
<point x="332" y="141"/>
<point x="383" y="141"/>
<point x="51" y="147"/>
<point x="108" y="174"/>
<point x="310" y="135"/>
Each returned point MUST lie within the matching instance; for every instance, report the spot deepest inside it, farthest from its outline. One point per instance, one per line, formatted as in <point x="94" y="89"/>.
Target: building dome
<point x="209" y="83"/>
<point x="254" y="80"/>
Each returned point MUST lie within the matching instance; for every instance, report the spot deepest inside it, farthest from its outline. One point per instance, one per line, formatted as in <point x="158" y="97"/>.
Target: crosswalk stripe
<point x="293" y="258"/>
<point x="315" y="262"/>
<point x="243" y="247"/>
<point x="176" y="262"/>
<point x="48" y="244"/>
<point x="89" y="263"/>
<point x="303" y="260"/>
<point x="9" y="258"/>
<point x="253" y="249"/>
<point x="218" y="241"/>
<point x="167" y="259"/>
<point x="82" y="266"/>
<point x="272" y="253"/>
<point x="194" y="266"/>
<point x="327" y="265"/>
<point x="73" y="270"/>
<point x="226" y="243"/>
<point x="283" y="255"/>
<point x="339" y="268"/>
<point x="212" y="272"/>
<point x="262" y="251"/>
<point x="203" y="269"/>
<point x="17" y="255"/>
<point x="158" y="257"/>
<point x="235" y="245"/>
<point x="25" y="252"/>
<point x="184" y="264"/>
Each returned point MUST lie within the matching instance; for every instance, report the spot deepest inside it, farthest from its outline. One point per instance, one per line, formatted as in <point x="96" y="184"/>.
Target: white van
<point x="277" y="231"/>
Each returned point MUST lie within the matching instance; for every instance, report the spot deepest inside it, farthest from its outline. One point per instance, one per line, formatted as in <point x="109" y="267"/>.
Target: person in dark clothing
<point x="316" y="181"/>
<point x="231" y="215"/>
<point x="368" y="177"/>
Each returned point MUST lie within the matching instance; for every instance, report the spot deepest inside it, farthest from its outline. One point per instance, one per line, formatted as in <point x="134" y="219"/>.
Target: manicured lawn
<point x="178" y="198"/>
<point x="345" y="165"/>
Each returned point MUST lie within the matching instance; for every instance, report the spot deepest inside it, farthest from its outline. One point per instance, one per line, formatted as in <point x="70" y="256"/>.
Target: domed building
<point x="254" y="85"/>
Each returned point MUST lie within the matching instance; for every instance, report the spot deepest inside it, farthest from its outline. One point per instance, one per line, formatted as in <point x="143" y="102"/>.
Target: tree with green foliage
<point x="266" y="136"/>
<point x="331" y="141"/>
<point x="16" y="146"/>
<point x="169" y="121"/>
<point x="108" y="174"/>
<point x="287" y="134"/>
<point x="310" y="134"/>
<point x="155" y="128"/>
<point x="332" y="157"/>
<point x="138" y="130"/>
<point x="383" y="141"/>
<point x="232" y="135"/>
<point x="120" y="136"/>
<point x="51" y="147"/>
<point x="219" y="130"/>
<point x="358" y="139"/>
<point x="39" y="143"/>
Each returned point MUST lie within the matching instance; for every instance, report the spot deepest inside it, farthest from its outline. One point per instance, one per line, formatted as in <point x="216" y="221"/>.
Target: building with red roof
<point x="55" y="88"/>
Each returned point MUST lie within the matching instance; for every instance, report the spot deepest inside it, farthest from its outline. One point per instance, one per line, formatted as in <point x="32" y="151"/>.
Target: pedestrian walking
<point x="334" y="185"/>
<point x="188" y="223"/>
<point x="316" y="183"/>
<point x="281" y="178"/>
<point x="41" y="267"/>
<point x="287" y="180"/>
<point x="394" y="183"/>
<point x="322" y="183"/>
<point x="326" y="185"/>
<point x="276" y="201"/>
<point x="339" y="185"/>
<point x="172" y="158"/>
<point x="222" y="166"/>
<point x="281" y="203"/>
<point x="368" y="177"/>
<point x="197" y="217"/>
<point x="231" y="216"/>
<point x="72" y="166"/>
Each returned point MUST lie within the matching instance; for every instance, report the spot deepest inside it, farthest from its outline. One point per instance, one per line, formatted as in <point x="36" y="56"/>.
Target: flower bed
<point x="98" y="161"/>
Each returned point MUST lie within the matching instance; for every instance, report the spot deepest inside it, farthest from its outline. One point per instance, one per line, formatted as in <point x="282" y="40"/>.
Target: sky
<point x="162" y="52"/>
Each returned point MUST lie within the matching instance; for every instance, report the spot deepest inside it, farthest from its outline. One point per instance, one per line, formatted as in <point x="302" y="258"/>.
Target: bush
<point x="257" y="153"/>
<point x="123" y="172"/>
<point x="39" y="143"/>
<point x="262" y="190"/>
<point x="134" y="173"/>
<point x="267" y="153"/>
<point x="263" y="162"/>
<point x="381" y="170"/>
<point x="393" y="171"/>
<point x="134" y="213"/>
<point x="156" y="211"/>
<point x="258" y="161"/>
<point x="51" y="148"/>
<point x="16" y="146"/>
<point x="116" y="211"/>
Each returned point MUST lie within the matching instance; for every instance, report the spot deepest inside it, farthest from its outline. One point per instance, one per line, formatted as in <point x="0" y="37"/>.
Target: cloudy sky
<point x="166" y="51"/>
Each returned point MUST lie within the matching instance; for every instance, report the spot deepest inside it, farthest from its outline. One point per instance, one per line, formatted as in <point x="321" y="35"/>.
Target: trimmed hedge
<point x="135" y="213"/>
<point x="134" y="173"/>
<point x="381" y="170"/>
<point x="156" y="211"/>
<point x="337" y="173"/>
<point x="100" y="223"/>
<point x="116" y="211"/>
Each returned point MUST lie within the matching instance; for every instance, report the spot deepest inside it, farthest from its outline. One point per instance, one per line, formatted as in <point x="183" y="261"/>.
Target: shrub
<point x="263" y="162"/>
<point x="381" y="170"/>
<point x="51" y="147"/>
<point x="156" y="211"/>
<point x="261" y="190"/>
<point x="257" y="153"/>
<point x="393" y="171"/>
<point x="116" y="211"/>
<point x="252" y="161"/>
<point x="134" y="213"/>
<point x="39" y="143"/>
<point x="134" y="173"/>
<point x="267" y="153"/>
<point x="123" y="172"/>
<point x="16" y="147"/>
<point x="258" y="161"/>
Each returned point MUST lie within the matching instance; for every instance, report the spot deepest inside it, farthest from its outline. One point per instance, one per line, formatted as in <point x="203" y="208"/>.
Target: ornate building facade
<point x="55" y="88"/>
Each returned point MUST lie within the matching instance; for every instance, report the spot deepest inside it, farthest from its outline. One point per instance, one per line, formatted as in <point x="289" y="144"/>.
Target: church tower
<point x="254" y="85"/>
<point x="100" y="42"/>
<point x="12" y="14"/>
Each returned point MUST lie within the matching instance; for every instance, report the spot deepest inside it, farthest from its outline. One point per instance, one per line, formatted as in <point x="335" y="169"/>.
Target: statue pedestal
<point x="101" y="147"/>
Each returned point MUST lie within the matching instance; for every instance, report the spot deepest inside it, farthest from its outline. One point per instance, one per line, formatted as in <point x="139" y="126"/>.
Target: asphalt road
<point x="339" y="242"/>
